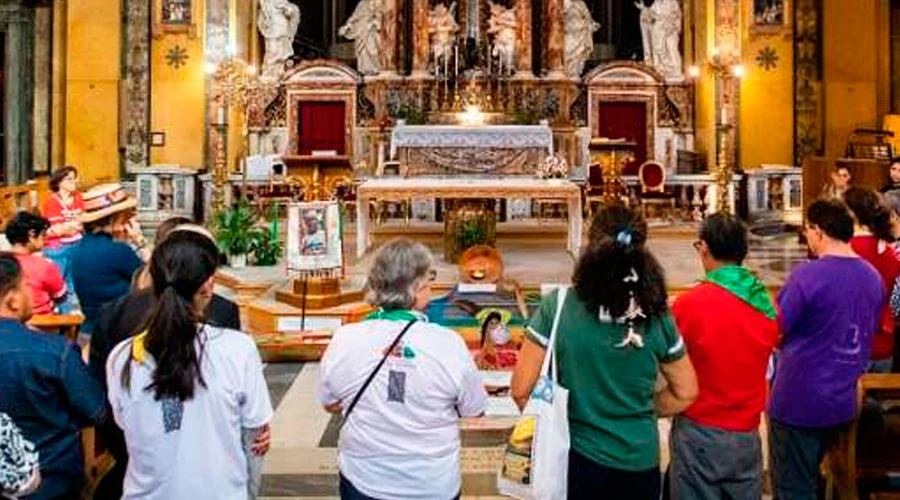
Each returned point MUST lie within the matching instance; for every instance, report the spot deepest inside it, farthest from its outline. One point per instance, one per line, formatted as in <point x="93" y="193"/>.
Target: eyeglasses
<point x="698" y="244"/>
<point x="432" y="275"/>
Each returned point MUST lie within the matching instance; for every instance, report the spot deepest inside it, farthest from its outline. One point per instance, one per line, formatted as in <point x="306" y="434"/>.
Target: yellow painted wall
<point x="92" y="88"/>
<point x="767" y="97"/>
<point x="851" y="55"/>
<point x="177" y="100"/>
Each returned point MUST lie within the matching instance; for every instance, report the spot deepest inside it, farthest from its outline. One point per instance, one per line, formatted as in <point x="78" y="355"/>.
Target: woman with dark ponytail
<point x="187" y="394"/>
<point x="615" y="335"/>
<point x="873" y="241"/>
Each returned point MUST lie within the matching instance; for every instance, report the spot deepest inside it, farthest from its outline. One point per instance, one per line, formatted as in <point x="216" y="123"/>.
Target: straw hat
<point x="104" y="200"/>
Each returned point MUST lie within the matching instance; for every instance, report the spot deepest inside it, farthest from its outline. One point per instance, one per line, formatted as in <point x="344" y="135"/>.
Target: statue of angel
<point x="442" y="29"/>
<point x="502" y="28"/>
<point x="661" y="36"/>
<point x="364" y="28"/>
<point x="580" y="28"/>
<point x="278" y="21"/>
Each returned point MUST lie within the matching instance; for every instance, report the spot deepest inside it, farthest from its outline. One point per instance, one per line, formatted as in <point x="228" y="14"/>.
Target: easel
<point x="317" y="289"/>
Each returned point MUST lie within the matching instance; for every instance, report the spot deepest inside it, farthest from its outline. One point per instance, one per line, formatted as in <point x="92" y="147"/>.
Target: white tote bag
<point x="536" y="460"/>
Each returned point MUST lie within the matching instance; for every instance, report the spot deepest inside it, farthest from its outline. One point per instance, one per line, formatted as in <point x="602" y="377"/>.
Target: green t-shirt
<point x="611" y="416"/>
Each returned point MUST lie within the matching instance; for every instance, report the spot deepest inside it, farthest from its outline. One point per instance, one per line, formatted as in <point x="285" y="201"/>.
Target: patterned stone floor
<point x="302" y="462"/>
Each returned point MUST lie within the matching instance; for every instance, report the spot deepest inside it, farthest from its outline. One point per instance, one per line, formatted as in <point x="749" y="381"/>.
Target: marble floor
<point x="303" y="458"/>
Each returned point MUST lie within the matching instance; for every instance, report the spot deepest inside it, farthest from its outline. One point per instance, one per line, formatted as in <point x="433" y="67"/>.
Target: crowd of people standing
<point x="171" y="381"/>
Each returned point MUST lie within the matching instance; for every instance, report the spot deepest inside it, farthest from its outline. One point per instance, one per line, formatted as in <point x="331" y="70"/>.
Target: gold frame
<point x="161" y="27"/>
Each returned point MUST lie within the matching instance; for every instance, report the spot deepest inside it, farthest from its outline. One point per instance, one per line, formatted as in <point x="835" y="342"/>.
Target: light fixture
<point x="472" y="116"/>
<point x="739" y="71"/>
<point x="251" y="70"/>
<point x="211" y="68"/>
<point x="693" y="72"/>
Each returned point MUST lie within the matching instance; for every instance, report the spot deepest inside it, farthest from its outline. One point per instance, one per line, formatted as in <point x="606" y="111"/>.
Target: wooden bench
<point x="865" y="461"/>
<point x="67" y="325"/>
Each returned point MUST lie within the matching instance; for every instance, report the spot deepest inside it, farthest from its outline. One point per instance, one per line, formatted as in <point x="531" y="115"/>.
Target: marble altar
<point x="399" y="189"/>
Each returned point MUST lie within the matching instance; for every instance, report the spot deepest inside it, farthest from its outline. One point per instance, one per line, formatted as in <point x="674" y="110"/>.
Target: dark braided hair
<point x="870" y="212"/>
<point x="616" y="246"/>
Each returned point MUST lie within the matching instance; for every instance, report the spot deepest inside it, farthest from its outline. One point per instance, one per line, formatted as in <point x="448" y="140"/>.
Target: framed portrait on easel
<point x="175" y="16"/>
<point x="314" y="240"/>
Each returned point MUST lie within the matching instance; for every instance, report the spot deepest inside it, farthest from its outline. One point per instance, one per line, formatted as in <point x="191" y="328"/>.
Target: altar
<point x="480" y="149"/>
<point x="399" y="189"/>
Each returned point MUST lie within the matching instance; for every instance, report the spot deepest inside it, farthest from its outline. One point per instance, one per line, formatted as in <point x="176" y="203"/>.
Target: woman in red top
<point x="873" y="241"/>
<point x="63" y="209"/>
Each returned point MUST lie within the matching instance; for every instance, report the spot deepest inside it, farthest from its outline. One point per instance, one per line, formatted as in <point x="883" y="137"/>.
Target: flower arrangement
<point x="553" y="167"/>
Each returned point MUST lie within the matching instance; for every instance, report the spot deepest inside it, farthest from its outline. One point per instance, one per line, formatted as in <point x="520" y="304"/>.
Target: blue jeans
<point x="62" y="257"/>
<point x="710" y="463"/>
<point x="796" y="453"/>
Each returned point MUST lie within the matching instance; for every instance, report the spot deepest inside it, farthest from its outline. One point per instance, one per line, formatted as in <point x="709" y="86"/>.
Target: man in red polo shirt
<point x="729" y="327"/>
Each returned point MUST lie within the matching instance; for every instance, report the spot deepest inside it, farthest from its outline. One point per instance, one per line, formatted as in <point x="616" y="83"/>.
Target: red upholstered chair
<point x="652" y="177"/>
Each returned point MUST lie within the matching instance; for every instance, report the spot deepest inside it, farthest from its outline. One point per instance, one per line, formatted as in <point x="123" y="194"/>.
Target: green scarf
<point x="397" y="315"/>
<point x="741" y="282"/>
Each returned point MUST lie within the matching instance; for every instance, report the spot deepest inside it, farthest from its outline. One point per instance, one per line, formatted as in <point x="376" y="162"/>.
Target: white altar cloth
<point x="487" y="136"/>
<point x="402" y="188"/>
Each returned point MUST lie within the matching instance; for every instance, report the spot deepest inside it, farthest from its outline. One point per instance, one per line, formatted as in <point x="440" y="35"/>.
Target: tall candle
<point x="456" y="60"/>
<point x="220" y="115"/>
<point x="724" y="116"/>
<point x="446" y="74"/>
<point x="489" y="57"/>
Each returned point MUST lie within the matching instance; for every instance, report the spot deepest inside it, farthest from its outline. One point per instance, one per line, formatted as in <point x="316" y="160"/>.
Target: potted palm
<point x="266" y="246"/>
<point x="236" y="230"/>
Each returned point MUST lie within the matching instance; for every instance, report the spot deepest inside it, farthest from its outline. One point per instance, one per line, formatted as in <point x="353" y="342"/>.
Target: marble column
<point x="135" y="120"/>
<point x="523" y="39"/>
<point x="18" y="27"/>
<point x="390" y="11"/>
<point x="555" y="31"/>
<point x="43" y="36"/>
<point x="420" y="39"/>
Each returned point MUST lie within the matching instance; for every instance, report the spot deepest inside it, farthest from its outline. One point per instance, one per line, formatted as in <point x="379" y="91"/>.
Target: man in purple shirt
<point x="829" y="311"/>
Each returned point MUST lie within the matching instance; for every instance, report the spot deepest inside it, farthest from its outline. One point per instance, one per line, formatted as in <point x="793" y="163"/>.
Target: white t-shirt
<point x="191" y="450"/>
<point x="402" y="439"/>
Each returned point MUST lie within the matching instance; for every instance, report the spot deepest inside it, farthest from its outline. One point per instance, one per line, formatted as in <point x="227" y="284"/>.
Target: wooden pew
<point x="67" y="325"/>
<point x="866" y="456"/>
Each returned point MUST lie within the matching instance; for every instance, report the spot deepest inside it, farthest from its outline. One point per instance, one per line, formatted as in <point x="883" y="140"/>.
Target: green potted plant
<point x="266" y="246"/>
<point x="235" y="230"/>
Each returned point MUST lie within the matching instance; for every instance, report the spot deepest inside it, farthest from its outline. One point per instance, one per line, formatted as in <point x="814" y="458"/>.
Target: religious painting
<point x="176" y="11"/>
<point x="769" y="15"/>
<point x="175" y="16"/>
<point x="314" y="240"/>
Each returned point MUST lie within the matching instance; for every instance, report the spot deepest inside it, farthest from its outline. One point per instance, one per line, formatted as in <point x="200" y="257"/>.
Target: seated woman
<point x="25" y="233"/>
<point x="400" y="438"/>
<point x="107" y="258"/>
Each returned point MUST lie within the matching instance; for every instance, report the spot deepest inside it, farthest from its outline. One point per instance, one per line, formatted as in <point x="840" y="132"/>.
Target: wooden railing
<point x="26" y="196"/>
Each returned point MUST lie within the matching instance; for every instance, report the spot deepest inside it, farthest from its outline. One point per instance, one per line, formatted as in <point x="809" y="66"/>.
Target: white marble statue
<point x="502" y="28"/>
<point x="364" y="28"/>
<point x="442" y="29"/>
<point x="278" y="21"/>
<point x="580" y="28"/>
<point x="661" y="34"/>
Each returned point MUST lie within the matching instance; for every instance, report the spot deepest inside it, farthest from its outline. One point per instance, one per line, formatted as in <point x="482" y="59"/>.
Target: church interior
<point x="306" y="133"/>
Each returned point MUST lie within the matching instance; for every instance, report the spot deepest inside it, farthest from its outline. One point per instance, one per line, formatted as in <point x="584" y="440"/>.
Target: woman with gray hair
<point x="402" y="384"/>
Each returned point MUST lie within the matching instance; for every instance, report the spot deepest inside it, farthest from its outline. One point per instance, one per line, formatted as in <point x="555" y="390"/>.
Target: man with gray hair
<point x="395" y="376"/>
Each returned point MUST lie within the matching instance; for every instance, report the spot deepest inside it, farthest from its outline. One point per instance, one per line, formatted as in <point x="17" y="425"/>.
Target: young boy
<point x="25" y="233"/>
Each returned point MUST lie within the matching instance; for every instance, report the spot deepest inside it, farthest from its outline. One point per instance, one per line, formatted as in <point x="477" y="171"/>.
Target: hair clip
<point x="624" y="237"/>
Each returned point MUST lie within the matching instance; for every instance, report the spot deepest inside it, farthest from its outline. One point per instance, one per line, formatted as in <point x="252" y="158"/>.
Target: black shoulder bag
<point x="376" y="370"/>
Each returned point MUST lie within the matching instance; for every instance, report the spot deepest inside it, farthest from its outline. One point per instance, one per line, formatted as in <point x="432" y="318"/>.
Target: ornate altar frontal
<point x="485" y="150"/>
